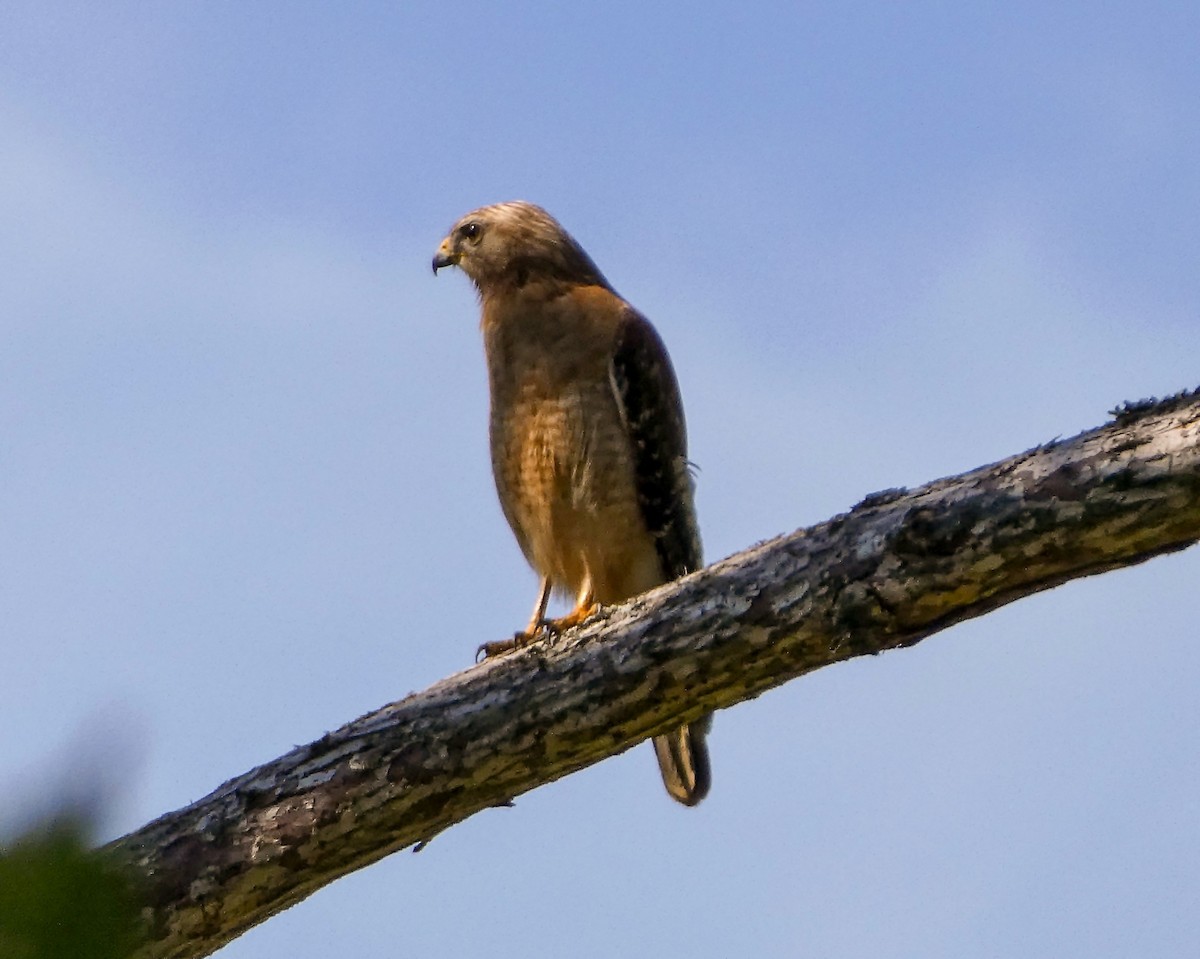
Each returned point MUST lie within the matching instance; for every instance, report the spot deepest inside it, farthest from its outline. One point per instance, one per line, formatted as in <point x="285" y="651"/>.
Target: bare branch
<point x="898" y="567"/>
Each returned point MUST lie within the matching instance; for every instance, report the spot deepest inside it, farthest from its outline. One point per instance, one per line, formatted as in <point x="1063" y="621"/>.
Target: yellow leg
<point x="539" y="609"/>
<point x="585" y="608"/>
<point x="526" y="636"/>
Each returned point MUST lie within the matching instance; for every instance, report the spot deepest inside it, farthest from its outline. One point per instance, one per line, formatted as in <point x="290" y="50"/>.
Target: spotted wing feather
<point x="648" y="395"/>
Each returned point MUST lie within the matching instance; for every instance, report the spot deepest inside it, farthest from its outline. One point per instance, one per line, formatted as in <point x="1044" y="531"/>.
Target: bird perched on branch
<point x="589" y="449"/>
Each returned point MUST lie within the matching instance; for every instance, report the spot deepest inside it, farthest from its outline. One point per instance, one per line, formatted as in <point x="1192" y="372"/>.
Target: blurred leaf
<point x="58" y="900"/>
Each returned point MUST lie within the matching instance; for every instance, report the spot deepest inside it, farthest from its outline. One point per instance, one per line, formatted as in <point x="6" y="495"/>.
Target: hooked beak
<point x="445" y="256"/>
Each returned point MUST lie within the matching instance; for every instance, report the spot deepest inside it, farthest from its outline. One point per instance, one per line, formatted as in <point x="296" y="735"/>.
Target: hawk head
<point x="510" y="244"/>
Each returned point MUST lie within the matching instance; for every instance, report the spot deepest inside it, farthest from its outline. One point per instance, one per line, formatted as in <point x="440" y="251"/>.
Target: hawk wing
<point x="648" y="397"/>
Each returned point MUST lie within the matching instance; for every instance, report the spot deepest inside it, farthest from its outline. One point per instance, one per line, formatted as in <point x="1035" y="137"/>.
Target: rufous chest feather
<point x="560" y="449"/>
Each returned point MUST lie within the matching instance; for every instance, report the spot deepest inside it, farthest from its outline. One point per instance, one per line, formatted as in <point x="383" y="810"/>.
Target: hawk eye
<point x="470" y="230"/>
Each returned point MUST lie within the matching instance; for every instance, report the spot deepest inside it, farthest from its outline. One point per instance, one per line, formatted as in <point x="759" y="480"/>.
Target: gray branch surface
<point x="901" y="565"/>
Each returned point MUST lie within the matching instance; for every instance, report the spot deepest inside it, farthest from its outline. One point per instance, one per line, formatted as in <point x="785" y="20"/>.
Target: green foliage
<point x="59" y="900"/>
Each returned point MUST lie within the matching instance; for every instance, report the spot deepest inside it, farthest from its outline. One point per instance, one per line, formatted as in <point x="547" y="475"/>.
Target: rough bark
<point x="899" y="566"/>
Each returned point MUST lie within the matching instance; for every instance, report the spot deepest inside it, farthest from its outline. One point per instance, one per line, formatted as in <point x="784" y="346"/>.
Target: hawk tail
<point x="683" y="761"/>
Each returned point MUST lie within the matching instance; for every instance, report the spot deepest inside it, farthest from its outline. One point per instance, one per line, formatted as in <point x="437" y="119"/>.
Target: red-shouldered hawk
<point x="589" y="449"/>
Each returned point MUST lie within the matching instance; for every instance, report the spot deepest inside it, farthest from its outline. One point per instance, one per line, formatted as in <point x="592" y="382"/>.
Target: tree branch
<point x="900" y="566"/>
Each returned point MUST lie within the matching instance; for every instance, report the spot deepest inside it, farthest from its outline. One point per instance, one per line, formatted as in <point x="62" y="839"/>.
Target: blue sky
<point x="246" y="489"/>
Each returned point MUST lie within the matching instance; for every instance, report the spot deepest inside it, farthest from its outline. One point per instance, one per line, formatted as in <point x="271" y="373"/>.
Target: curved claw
<point x="502" y="646"/>
<point x="552" y="627"/>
